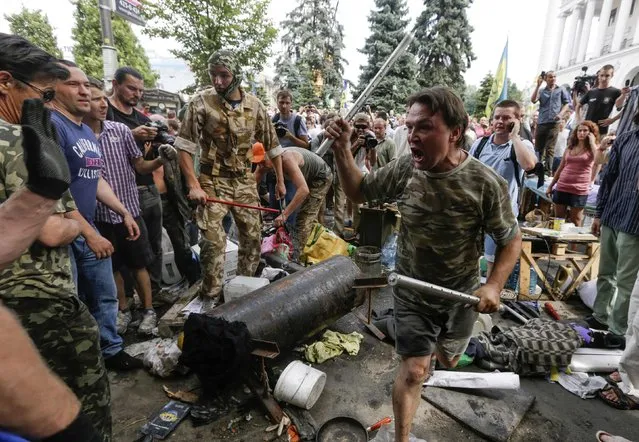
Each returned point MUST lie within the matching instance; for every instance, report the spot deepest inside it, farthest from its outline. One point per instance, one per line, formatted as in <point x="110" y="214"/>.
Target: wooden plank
<point x="524" y="269"/>
<point x="561" y="236"/>
<point x="559" y="248"/>
<point x="540" y="275"/>
<point x="578" y="280"/>
<point x="594" y="250"/>
<point x="173" y="318"/>
<point x="560" y="257"/>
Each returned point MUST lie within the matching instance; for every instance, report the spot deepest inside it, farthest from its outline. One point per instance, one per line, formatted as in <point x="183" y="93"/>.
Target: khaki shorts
<point x="420" y="331"/>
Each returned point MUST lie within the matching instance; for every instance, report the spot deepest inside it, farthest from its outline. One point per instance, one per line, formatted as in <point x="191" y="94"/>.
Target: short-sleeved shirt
<point x="118" y="149"/>
<point x="83" y="155"/>
<point x="550" y="103"/>
<point x="497" y="156"/>
<point x="133" y="120"/>
<point x="224" y="133"/>
<point x="385" y="153"/>
<point x="600" y="103"/>
<point x="40" y="272"/>
<point x="301" y="133"/>
<point x="444" y="217"/>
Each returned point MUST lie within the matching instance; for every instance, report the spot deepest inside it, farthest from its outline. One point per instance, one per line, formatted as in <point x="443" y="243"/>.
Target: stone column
<point x="604" y="17"/>
<point x="635" y="40"/>
<point x="623" y="12"/>
<point x="571" y="29"/>
<point x="556" y="50"/>
<point x="585" y="31"/>
<point x="548" y="42"/>
<point x="579" y="9"/>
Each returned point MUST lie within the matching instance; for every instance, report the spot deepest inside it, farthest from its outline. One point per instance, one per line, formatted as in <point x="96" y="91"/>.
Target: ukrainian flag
<point x="499" y="91"/>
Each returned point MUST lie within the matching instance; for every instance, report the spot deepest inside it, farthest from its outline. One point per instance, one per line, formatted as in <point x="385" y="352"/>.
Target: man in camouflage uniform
<point x="38" y="286"/>
<point x="311" y="177"/>
<point x="223" y="122"/>
<point x="447" y="199"/>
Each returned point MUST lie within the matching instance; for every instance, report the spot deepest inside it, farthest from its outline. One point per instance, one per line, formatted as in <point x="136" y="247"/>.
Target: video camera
<point x="580" y="83"/>
<point x="280" y="129"/>
<point x="370" y="142"/>
<point x="163" y="136"/>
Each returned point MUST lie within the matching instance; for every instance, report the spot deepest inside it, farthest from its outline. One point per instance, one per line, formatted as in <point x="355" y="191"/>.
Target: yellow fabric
<point x="322" y="244"/>
<point x="332" y="345"/>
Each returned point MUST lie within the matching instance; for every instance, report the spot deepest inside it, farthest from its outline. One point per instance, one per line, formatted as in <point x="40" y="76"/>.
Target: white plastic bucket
<point x="300" y="385"/>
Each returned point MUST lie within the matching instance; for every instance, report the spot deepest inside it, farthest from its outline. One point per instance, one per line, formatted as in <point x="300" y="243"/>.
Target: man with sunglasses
<point x="38" y="285"/>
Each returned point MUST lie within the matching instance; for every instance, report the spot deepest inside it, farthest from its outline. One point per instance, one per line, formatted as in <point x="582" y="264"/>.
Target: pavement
<point x="360" y="386"/>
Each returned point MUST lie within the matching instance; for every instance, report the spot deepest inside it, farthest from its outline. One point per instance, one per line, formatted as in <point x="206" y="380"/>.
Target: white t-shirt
<point x="312" y="133"/>
<point x="401" y="141"/>
<point x="561" y="143"/>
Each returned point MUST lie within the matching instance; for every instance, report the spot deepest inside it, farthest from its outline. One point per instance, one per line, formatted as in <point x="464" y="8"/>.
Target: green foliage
<point x="445" y="49"/>
<point x="34" y="26"/>
<point x="202" y="27"/>
<point x="514" y="93"/>
<point x="87" y="50"/>
<point x="310" y="64"/>
<point x="483" y="93"/>
<point x="388" y="24"/>
<point x="470" y="99"/>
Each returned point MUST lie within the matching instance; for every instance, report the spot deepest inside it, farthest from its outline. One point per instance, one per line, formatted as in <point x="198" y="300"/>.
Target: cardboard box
<point x="230" y="259"/>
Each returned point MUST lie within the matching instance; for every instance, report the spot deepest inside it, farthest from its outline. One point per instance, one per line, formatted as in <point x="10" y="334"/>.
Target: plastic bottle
<point x="389" y="252"/>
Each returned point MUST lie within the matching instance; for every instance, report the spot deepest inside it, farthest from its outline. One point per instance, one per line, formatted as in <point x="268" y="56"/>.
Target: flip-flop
<point x="610" y="379"/>
<point x="623" y="402"/>
<point x="613" y="438"/>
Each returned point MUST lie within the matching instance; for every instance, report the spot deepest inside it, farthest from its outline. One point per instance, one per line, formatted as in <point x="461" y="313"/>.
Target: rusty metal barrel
<point x="298" y="306"/>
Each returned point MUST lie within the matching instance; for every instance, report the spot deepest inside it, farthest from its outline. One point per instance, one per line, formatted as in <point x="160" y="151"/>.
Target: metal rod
<point x="246" y="206"/>
<point x="427" y="288"/>
<point x="390" y="61"/>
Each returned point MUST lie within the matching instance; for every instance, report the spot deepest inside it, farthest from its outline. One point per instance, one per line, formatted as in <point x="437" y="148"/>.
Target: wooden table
<point x="586" y="265"/>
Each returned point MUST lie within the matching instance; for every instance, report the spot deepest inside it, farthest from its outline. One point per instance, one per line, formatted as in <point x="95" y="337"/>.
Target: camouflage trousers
<point x="339" y="207"/>
<point x="308" y="213"/>
<point x="209" y="219"/>
<point x="66" y="335"/>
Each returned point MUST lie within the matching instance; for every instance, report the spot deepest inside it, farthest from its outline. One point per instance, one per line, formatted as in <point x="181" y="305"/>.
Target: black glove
<point x="80" y="430"/>
<point x="49" y="174"/>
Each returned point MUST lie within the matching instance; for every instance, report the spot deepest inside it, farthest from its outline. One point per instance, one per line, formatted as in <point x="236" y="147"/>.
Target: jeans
<point x="151" y="212"/>
<point x="96" y="288"/>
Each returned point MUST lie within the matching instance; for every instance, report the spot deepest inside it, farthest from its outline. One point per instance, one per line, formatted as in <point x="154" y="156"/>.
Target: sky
<point x="493" y="21"/>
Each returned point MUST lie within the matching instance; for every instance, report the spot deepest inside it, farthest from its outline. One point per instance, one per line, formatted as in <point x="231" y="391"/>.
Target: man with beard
<point x="447" y="199"/>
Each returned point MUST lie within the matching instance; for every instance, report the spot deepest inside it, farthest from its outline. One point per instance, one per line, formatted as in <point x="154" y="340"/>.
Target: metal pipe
<point x="246" y="206"/>
<point x="298" y="306"/>
<point x="427" y="288"/>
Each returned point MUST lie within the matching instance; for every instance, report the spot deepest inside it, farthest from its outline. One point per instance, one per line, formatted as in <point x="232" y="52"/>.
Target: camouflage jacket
<point x="444" y="216"/>
<point x="40" y="272"/>
<point x="225" y="135"/>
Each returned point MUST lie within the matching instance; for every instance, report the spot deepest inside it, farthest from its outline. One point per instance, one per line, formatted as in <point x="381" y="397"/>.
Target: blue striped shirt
<point x="618" y="199"/>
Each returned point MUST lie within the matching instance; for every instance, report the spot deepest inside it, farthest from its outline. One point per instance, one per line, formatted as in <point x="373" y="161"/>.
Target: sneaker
<point x="166" y="297"/>
<point x="594" y="323"/>
<point x="122" y="361"/>
<point x="136" y="317"/>
<point x="123" y="321"/>
<point x="149" y="322"/>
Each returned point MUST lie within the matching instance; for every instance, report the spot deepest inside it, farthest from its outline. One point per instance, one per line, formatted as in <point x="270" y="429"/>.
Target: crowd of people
<point x="88" y="182"/>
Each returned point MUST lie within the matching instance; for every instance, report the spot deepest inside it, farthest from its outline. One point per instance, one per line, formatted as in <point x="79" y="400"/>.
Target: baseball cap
<point x="258" y="152"/>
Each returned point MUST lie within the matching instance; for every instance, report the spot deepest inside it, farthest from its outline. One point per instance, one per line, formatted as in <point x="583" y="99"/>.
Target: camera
<point x="162" y="136"/>
<point x="580" y="83"/>
<point x="280" y="129"/>
<point x="370" y="142"/>
<point x="543" y="75"/>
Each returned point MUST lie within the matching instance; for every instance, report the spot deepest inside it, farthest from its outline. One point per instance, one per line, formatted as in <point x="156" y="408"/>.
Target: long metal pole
<point x="427" y="288"/>
<point x="365" y="95"/>
<point x="109" y="52"/>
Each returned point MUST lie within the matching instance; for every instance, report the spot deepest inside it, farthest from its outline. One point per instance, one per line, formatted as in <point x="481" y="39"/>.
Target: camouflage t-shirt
<point x="443" y="217"/>
<point x="40" y="272"/>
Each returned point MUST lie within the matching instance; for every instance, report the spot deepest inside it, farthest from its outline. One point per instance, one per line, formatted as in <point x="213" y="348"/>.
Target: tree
<point x="483" y="93"/>
<point x="470" y="99"/>
<point x="34" y="26"/>
<point x="388" y="24"/>
<point x="87" y="50"/>
<point x="514" y="93"/>
<point x="202" y="27"/>
<point x="310" y="64"/>
<point x="445" y="50"/>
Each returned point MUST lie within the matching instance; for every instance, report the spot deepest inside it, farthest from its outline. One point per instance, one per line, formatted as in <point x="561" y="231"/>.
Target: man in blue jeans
<point x="91" y="251"/>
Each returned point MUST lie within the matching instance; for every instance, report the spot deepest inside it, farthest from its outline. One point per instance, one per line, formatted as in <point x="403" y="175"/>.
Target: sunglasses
<point x="47" y="94"/>
<point x="361" y="126"/>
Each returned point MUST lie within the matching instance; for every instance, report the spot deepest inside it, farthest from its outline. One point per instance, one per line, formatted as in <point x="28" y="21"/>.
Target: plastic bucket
<point x="300" y="385"/>
<point x="368" y="259"/>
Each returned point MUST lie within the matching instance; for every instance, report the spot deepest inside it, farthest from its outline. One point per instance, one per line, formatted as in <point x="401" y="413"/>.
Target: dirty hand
<point x="144" y="133"/>
<point x="48" y="169"/>
<point x="280" y="220"/>
<point x="100" y="246"/>
<point x="167" y="153"/>
<point x="595" y="228"/>
<point x="489" y="298"/>
<point x="198" y="195"/>
<point x="131" y="227"/>
<point x="340" y="131"/>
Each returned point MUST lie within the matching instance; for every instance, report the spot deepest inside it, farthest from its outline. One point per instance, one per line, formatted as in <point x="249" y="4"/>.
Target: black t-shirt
<point x="133" y="120"/>
<point x="600" y="103"/>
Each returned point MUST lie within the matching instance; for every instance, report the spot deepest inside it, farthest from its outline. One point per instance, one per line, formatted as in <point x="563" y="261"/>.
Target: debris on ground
<point x="332" y="345"/>
<point x="183" y="396"/>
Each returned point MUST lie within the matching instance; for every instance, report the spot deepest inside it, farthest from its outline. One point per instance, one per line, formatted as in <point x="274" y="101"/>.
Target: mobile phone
<point x="543" y="75"/>
<point x="510" y="127"/>
<point x="627" y="83"/>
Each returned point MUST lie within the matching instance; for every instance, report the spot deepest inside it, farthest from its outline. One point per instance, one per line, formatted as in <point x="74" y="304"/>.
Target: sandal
<point x="613" y="378"/>
<point x="623" y="402"/>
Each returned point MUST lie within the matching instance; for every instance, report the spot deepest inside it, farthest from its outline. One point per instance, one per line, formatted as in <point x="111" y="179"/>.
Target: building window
<point x="613" y="15"/>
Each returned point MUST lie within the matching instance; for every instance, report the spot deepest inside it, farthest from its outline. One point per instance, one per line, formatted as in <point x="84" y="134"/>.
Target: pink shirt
<point x="576" y="175"/>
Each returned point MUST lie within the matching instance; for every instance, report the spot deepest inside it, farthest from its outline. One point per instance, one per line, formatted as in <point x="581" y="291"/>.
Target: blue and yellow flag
<point x="499" y="91"/>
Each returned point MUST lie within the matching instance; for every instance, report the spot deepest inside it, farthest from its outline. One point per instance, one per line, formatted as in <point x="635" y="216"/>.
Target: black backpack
<point x="296" y="124"/>
<point x="513" y="157"/>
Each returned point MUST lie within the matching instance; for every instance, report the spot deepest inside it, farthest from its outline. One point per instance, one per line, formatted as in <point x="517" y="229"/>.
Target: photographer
<point x="384" y="152"/>
<point x="554" y="103"/>
<point x="290" y="126"/>
<point x="600" y="100"/>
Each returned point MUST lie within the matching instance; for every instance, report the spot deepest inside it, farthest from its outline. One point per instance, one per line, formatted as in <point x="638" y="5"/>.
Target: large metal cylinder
<point x="298" y="306"/>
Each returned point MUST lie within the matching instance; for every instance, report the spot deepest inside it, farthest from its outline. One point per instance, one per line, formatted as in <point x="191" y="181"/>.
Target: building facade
<point x="591" y="33"/>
